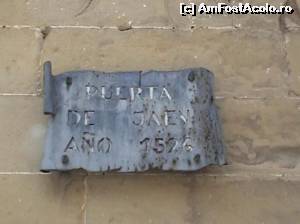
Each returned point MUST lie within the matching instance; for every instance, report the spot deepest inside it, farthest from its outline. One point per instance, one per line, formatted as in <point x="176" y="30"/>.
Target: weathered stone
<point x="191" y="199"/>
<point x="293" y="49"/>
<point x="244" y="63"/>
<point x="291" y="21"/>
<point x="42" y="198"/>
<point x="176" y="20"/>
<point x="197" y="20"/>
<point x="83" y="13"/>
<point x="22" y="132"/>
<point x="262" y="132"/>
<point x="260" y="22"/>
<point x="20" y="51"/>
<point x="251" y="63"/>
<point x="136" y="199"/>
<point x="146" y="13"/>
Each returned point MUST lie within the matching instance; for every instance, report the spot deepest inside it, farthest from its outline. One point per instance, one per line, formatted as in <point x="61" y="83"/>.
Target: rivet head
<point x="191" y="77"/>
<point x="197" y="158"/>
<point x="174" y="161"/>
<point x="69" y="81"/>
<point x="65" y="159"/>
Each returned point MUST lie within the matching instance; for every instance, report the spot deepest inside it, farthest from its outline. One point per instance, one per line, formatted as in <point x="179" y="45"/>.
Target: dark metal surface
<point x="131" y="121"/>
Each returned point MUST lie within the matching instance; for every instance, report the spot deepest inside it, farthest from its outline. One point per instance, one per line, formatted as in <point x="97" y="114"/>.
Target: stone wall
<point x="255" y="59"/>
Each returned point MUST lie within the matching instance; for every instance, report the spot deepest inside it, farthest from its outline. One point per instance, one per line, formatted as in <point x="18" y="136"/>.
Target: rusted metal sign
<point x="131" y="121"/>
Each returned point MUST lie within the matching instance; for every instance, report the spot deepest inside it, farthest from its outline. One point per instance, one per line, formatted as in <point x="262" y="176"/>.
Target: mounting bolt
<point x="197" y="158"/>
<point x="69" y="81"/>
<point x="174" y="161"/>
<point x="65" y="159"/>
<point x="191" y="77"/>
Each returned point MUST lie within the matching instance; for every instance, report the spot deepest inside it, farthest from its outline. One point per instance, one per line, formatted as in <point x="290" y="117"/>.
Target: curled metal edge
<point x="49" y="109"/>
<point x="49" y="104"/>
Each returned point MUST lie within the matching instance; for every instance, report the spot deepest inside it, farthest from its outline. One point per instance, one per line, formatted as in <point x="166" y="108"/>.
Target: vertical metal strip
<point x="48" y="89"/>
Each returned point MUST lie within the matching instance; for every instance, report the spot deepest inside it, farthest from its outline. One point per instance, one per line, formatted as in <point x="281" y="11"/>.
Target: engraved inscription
<point x="127" y="93"/>
<point x="168" y="145"/>
<point x="89" y="143"/>
<point x="131" y="121"/>
<point x="167" y="118"/>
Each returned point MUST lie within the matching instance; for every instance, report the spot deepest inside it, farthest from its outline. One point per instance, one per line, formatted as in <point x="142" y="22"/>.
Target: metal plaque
<point x="131" y="121"/>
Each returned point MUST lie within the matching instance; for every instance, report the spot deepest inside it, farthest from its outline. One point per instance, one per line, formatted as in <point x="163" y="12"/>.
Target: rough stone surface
<point x="291" y="21"/>
<point x="244" y="63"/>
<point x="179" y="199"/>
<point x="22" y="132"/>
<point x="144" y="13"/>
<point x="262" y="132"/>
<point x="20" y="51"/>
<point x="256" y="63"/>
<point x="259" y="22"/>
<point x="152" y="200"/>
<point x="199" y="21"/>
<point x="84" y="12"/>
<point x="41" y="198"/>
<point x="293" y="49"/>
